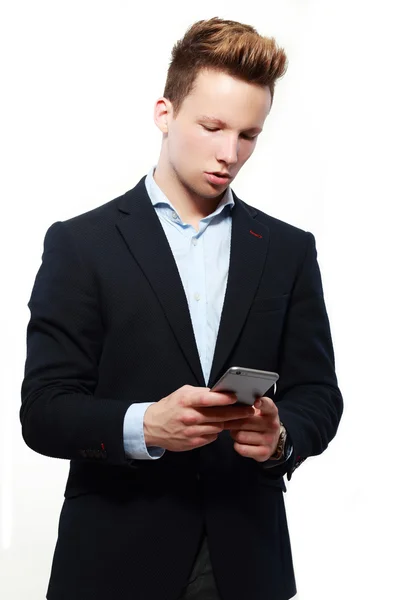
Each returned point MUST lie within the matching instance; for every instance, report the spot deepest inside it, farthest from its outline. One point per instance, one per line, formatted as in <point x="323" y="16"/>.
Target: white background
<point x="79" y="81"/>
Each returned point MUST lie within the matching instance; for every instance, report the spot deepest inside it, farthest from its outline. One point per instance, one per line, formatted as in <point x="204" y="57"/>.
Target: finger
<point x="201" y="397"/>
<point x="249" y="424"/>
<point x="249" y="438"/>
<point x="258" y="421"/>
<point x="229" y="414"/>
<point x="266" y="406"/>
<point x="201" y="430"/>
<point x="258" y="453"/>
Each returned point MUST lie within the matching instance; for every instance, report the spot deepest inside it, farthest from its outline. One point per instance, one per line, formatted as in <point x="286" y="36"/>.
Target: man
<point x="139" y="306"/>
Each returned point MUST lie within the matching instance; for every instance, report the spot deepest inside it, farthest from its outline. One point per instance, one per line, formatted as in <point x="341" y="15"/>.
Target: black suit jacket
<point x="109" y="326"/>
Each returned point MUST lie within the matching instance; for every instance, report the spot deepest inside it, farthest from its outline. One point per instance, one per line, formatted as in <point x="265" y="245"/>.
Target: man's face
<point x="215" y="130"/>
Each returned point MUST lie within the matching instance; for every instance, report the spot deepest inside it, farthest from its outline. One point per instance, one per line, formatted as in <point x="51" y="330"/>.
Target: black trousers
<point x="201" y="585"/>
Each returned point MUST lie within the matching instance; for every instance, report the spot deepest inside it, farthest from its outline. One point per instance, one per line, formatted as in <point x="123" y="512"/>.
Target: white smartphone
<point x="247" y="384"/>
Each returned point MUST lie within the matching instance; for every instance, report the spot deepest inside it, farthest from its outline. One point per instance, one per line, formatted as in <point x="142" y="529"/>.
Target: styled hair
<point x="227" y="46"/>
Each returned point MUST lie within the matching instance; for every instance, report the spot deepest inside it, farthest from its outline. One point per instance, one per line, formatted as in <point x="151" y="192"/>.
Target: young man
<point x="138" y="308"/>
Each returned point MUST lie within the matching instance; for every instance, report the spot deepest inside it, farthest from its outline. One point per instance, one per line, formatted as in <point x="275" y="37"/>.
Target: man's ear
<point x="162" y="112"/>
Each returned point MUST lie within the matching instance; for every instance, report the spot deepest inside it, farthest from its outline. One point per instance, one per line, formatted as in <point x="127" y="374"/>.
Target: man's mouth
<point x="224" y="175"/>
<point x="218" y="178"/>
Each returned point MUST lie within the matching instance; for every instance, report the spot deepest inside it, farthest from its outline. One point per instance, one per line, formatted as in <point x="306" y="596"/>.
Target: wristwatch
<point x="281" y="444"/>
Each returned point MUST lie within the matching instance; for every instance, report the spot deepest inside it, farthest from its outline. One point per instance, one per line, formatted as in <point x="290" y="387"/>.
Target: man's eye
<point x="243" y="135"/>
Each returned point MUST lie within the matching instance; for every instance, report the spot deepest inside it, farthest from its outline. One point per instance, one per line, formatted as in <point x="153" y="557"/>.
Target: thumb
<point x="264" y="404"/>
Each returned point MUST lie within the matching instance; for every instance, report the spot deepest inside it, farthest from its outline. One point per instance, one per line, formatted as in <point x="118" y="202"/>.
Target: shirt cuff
<point x="134" y="442"/>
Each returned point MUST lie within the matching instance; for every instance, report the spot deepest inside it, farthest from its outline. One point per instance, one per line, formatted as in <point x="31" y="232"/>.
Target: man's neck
<point x="191" y="208"/>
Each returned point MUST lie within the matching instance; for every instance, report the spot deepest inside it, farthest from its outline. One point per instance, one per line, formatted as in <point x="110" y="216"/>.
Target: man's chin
<point x="213" y="194"/>
<point x="216" y="195"/>
<point x="205" y="190"/>
<point x="210" y="190"/>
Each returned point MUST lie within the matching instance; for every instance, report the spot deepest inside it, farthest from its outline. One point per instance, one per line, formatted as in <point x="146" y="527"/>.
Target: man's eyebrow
<point x="212" y="120"/>
<point x="220" y="123"/>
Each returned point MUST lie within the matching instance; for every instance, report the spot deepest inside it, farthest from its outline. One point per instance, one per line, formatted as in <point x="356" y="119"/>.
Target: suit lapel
<point x="146" y="240"/>
<point x="249" y="245"/>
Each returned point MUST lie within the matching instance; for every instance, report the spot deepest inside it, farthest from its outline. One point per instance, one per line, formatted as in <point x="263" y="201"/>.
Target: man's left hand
<point x="257" y="436"/>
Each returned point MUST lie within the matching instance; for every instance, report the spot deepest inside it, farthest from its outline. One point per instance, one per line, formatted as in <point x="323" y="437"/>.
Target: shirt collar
<point x="158" y="197"/>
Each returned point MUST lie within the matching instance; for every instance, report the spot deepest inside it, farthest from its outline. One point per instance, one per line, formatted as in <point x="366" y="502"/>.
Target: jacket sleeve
<point x="60" y="414"/>
<point x="308" y="398"/>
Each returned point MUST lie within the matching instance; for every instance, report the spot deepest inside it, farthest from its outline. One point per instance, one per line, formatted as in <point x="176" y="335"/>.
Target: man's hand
<point x="190" y="417"/>
<point x="257" y="436"/>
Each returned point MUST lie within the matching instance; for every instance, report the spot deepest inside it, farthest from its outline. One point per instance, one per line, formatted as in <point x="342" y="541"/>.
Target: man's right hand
<point x="190" y="417"/>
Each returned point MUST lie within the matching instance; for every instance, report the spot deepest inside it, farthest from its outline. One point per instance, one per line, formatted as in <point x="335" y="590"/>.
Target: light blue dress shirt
<point x="202" y="258"/>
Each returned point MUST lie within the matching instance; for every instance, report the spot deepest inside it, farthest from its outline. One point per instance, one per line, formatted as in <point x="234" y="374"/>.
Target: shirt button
<point x="197" y="297"/>
<point x="194" y="242"/>
<point x="174" y="215"/>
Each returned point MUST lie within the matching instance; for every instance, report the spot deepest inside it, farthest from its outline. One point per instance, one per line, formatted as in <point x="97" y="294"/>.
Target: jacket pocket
<point x="264" y="304"/>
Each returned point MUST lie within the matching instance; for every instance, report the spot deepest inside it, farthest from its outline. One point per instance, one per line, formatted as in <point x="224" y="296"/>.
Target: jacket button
<point x="103" y="454"/>
<point x="96" y="453"/>
<point x="89" y="453"/>
<point x="83" y="453"/>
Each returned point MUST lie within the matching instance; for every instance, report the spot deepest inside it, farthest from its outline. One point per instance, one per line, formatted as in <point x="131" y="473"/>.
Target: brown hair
<point x="228" y="46"/>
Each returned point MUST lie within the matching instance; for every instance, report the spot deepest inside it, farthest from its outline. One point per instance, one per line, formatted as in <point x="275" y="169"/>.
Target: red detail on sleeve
<point x="102" y="446"/>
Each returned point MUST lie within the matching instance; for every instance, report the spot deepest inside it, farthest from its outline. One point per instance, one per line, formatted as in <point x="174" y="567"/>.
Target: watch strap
<point x="280" y="449"/>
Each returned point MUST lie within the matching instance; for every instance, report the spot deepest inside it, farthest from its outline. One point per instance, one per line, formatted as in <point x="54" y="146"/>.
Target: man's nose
<point x="228" y="151"/>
